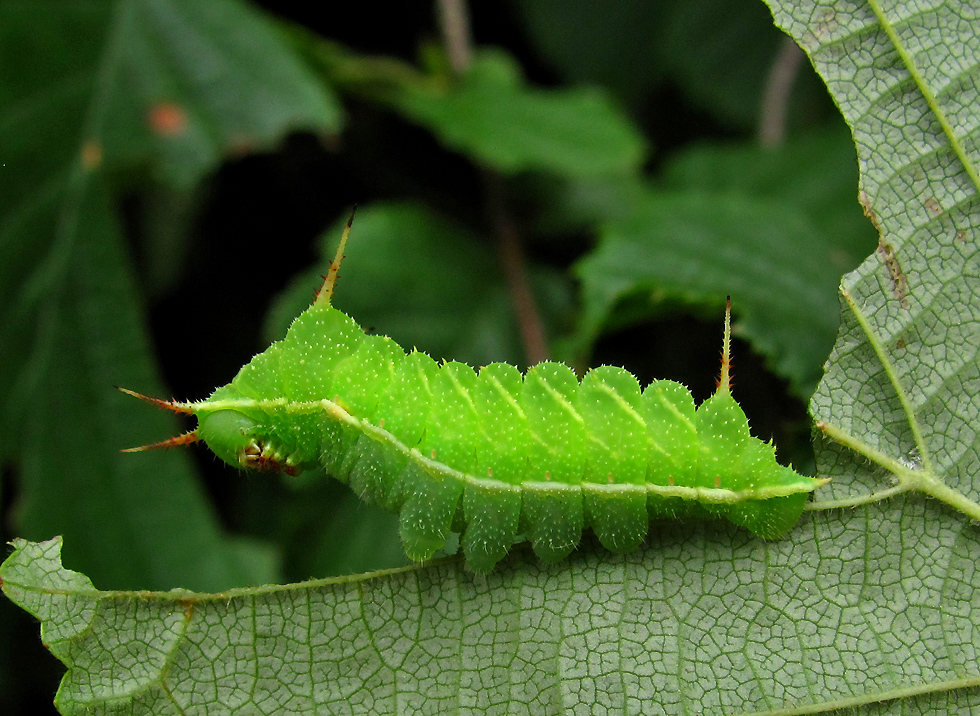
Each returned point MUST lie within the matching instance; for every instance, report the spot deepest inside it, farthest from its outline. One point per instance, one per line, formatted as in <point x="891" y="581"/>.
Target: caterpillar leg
<point x="426" y="516"/>
<point x="492" y="517"/>
<point x="772" y="518"/>
<point x="552" y="517"/>
<point x="617" y="515"/>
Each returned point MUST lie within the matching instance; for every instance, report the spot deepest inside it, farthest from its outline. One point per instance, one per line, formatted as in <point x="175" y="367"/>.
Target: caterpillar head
<point x="238" y="440"/>
<point x="230" y="434"/>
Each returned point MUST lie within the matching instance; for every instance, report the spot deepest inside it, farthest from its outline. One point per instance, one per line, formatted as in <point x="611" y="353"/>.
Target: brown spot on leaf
<point x="167" y="119"/>
<point x="900" y="286"/>
<point x="865" y="201"/>
<point x="92" y="154"/>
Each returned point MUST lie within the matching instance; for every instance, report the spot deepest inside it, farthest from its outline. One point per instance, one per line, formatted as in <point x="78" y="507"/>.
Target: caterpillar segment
<point x="495" y="455"/>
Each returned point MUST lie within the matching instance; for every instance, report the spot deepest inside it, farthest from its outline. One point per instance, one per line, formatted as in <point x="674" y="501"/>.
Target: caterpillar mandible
<point x="494" y="455"/>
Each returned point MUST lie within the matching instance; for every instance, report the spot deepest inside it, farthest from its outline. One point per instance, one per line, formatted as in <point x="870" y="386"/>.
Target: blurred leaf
<point x="492" y="115"/>
<point x="814" y="173"/>
<point x="717" y="54"/>
<point x="192" y="82"/>
<point x="775" y="262"/>
<point x="74" y="480"/>
<point x="90" y="90"/>
<point x="775" y="228"/>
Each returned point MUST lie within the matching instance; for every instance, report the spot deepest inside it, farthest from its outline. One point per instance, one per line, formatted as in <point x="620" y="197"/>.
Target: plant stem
<point x="455" y="23"/>
<point x="779" y="89"/>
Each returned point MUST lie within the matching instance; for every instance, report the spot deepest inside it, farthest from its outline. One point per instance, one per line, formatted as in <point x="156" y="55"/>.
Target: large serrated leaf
<point x="904" y="379"/>
<point x="680" y="626"/>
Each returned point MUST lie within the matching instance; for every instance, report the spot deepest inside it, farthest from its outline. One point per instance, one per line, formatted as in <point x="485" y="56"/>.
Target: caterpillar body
<point x="492" y="454"/>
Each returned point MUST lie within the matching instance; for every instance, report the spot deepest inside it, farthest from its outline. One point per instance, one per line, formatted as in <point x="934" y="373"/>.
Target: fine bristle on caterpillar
<point x="492" y="454"/>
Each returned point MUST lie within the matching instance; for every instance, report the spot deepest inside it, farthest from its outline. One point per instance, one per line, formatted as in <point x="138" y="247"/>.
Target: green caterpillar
<point x="492" y="454"/>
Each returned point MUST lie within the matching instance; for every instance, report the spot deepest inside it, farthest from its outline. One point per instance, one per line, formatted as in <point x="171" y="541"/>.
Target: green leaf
<point x="539" y="639"/>
<point x="813" y="173"/>
<point x="716" y="55"/>
<point x="775" y="228"/>
<point x="492" y="115"/>
<point x="94" y="96"/>
<point x="721" y="53"/>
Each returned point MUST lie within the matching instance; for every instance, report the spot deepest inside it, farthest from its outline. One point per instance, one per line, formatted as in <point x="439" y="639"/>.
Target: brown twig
<point x="455" y="23"/>
<point x="515" y="271"/>
<point x="779" y="88"/>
